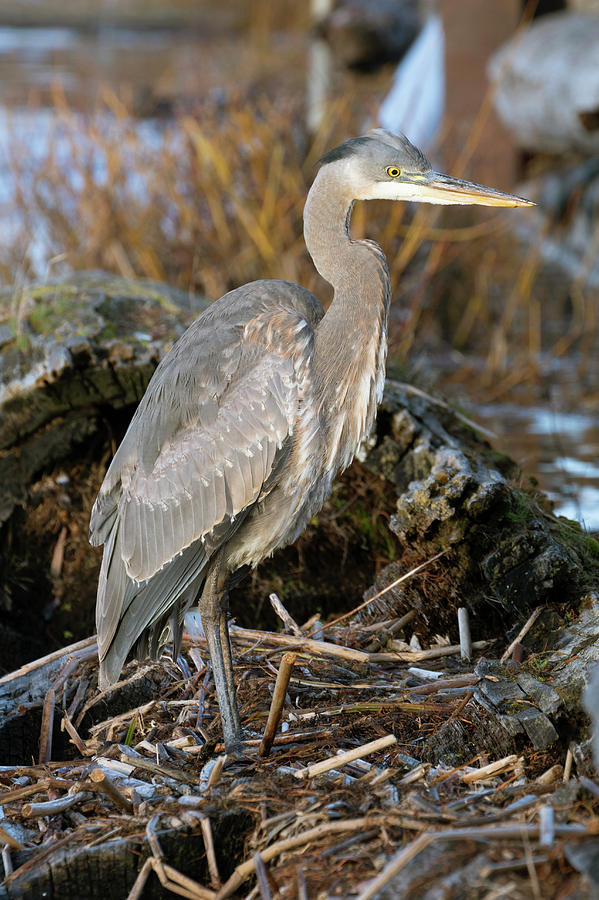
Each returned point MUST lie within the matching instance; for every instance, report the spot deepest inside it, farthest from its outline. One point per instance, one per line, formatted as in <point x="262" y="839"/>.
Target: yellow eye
<point x="393" y="171"/>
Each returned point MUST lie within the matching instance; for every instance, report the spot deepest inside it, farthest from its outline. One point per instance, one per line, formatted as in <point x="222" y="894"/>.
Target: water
<point x="559" y="447"/>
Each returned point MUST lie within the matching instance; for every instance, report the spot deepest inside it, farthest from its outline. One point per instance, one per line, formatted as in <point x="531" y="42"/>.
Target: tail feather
<point x="130" y="613"/>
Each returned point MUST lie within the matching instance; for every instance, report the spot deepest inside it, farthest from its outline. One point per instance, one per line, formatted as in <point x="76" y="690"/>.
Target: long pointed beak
<point x="438" y="188"/>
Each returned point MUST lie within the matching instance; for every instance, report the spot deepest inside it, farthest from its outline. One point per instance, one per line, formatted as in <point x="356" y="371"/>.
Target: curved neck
<point x="356" y="269"/>
<point x="351" y="340"/>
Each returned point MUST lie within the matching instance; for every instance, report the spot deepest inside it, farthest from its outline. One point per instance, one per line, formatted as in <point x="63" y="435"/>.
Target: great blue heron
<point x="248" y="419"/>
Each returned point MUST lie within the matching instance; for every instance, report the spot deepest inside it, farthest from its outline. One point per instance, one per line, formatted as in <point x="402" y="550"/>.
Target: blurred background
<point x="176" y="139"/>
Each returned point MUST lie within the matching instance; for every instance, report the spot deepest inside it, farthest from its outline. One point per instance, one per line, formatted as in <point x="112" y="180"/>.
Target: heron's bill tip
<point x="448" y="190"/>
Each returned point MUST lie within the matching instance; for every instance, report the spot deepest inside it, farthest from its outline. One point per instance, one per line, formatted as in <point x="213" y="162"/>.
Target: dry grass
<point x="214" y="199"/>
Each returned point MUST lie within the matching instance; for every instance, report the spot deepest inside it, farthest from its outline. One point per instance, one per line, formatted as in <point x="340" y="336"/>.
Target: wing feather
<point x="181" y="491"/>
<point x="206" y="440"/>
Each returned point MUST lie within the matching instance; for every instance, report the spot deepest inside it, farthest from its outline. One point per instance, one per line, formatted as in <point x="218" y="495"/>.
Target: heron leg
<point x="213" y="609"/>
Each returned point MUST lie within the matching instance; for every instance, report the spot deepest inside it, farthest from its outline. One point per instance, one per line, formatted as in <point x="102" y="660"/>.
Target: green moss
<point x="46" y="317"/>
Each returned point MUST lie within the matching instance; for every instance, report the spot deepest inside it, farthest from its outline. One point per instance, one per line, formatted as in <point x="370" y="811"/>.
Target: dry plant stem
<point x="6" y="860"/>
<point x="392" y="629"/>
<point x="335" y="762"/>
<point x="74" y="735"/>
<point x="495" y="768"/>
<point x="389" y="587"/>
<point x="139" y="762"/>
<point x="417" y="655"/>
<point x="45" y="751"/>
<point x="217" y="771"/>
<point x="108" y="787"/>
<point x="84" y="649"/>
<point x="302" y="888"/>
<point x="318" y="648"/>
<point x="482" y="833"/>
<point x="177" y="883"/>
<point x="244" y="870"/>
<point x="215" y="879"/>
<point x="284" y="615"/>
<point x="464" y="629"/>
<point x="522" y="633"/>
<point x="276" y="706"/>
<point x="140" y="882"/>
<point x="568" y="764"/>
<point x="53" y="807"/>
<point x="10" y="841"/>
<point x="555" y="773"/>
<point x="261" y="877"/>
<point x="546" y="825"/>
<point x="443" y="684"/>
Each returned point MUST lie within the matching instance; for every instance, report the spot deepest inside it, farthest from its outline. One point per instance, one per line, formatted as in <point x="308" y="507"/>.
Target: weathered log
<point x="68" y="350"/>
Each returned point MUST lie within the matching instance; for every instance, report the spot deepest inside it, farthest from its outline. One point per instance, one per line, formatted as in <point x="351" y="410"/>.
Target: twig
<point x="568" y="764"/>
<point x="483" y="833"/>
<point x="522" y="633"/>
<point x="84" y="649"/>
<point x="284" y="615"/>
<point x="108" y="787"/>
<point x="276" y="706"/>
<point x="389" y="587"/>
<point x="58" y="553"/>
<point x="216" y="771"/>
<point x="555" y="773"/>
<point x="10" y="841"/>
<point x="206" y="826"/>
<point x="261" y="877"/>
<point x="140" y="762"/>
<point x="7" y="861"/>
<point x="79" y="697"/>
<point x="45" y="749"/>
<point x="53" y="807"/>
<point x="546" y="825"/>
<point x="318" y="648"/>
<point x="180" y="884"/>
<point x="415" y="774"/>
<point x="417" y="655"/>
<point x="153" y="837"/>
<point x="588" y="783"/>
<point x="464" y="629"/>
<point x="396" y="626"/>
<point x="302" y="888"/>
<point x="74" y="735"/>
<point x="171" y="878"/>
<point x="140" y="882"/>
<point x="443" y="683"/>
<point x="341" y="759"/>
<point x="20" y="793"/>
<point x="245" y="869"/>
<point x="495" y="768"/>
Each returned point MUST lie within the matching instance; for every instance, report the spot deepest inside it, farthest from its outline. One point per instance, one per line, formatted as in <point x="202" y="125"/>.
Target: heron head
<point x="385" y="166"/>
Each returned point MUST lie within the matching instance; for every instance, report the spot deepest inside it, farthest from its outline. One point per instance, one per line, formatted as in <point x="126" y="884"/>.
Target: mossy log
<point x="68" y="351"/>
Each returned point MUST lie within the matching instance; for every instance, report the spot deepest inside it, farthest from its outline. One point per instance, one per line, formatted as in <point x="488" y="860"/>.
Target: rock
<point x="547" y="84"/>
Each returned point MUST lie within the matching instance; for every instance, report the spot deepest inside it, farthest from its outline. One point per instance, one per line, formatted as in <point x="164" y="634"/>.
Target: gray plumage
<point x="248" y="419"/>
